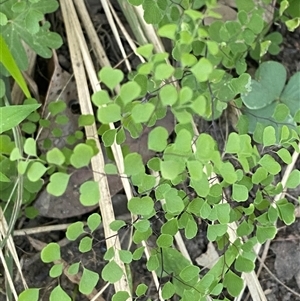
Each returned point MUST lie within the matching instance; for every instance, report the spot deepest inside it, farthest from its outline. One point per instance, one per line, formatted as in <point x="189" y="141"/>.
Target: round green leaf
<point x="164" y="241"/>
<point x="233" y="283"/>
<point x="100" y="98"/>
<point x="270" y="164"/>
<point x="55" y="156"/>
<point x="285" y="156"/>
<point x="168" y="31"/>
<point x="112" y="272"/>
<point x="157" y="139"/>
<point x="31" y="294"/>
<point x="189" y="273"/>
<point x="30" y="147"/>
<point x="74" y="268"/>
<point x="56" y="270"/>
<point x="202" y="69"/>
<point x="141" y="289"/>
<point x="88" y="281"/>
<point x="163" y="71"/>
<point x="86" y="120"/>
<point x="108" y="114"/>
<point x="129" y="92"/>
<point x="117" y="225"/>
<point x="56" y="107"/>
<point x="144" y="50"/>
<point x="94" y="221"/>
<point x="269" y="136"/>
<point x="85" y="244"/>
<point x="152" y="13"/>
<point x="264" y="233"/>
<point x="51" y="252"/>
<point x="108" y="137"/>
<point x="141" y="206"/>
<point x="89" y="193"/>
<point x="133" y="164"/>
<point x="35" y="171"/>
<point x="293" y="179"/>
<point x="111" y="77"/>
<point x="142" y="112"/>
<point x="121" y="296"/>
<point x="82" y="155"/>
<point x="59" y="294"/>
<point x="243" y="264"/>
<point x="74" y="230"/>
<point x="125" y="256"/>
<point x="286" y="211"/>
<point x="168" y="95"/>
<point x="58" y="183"/>
<point x="168" y="290"/>
<point x="239" y="193"/>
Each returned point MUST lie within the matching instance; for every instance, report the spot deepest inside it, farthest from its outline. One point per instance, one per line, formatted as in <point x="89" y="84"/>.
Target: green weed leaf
<point x="269" y="136"/>
<point x="100" y="98"/>
<point x="239" y="193"/>
<point x="55" y="156"/>
<point x="141" y="206"/>
<point x="111" y="77"/>
<point x="293" y="179"/>
<point x="30" y="147"/>
<point x="108" y="114"/>
<point x="29" y="294"/>
<point x="168" y="290"/>
<point x="35" y="171"/>
<point x="215" y="231"/>
<point x="270" y="164"/>
<point x="264" y="233"/>
<point x="117" y="225"/>
<point x="85" y="244"/>
<point x="75" y="230"/>
<point x="202" y="70"/>
<point x="243" y="264"/>
<point x="56" y="270"/>
<point x="59" y="294"/>
<point x="112" y="272"/>
<point x="157" y="139"/>
<point x="145" y="50"/>
<point x="164" y="241"/>
<point x="141" y="289"/>
<point x="152" y="13"/>
<point x="94" y="221"/>
<point x="89" y="193"/>
<point x="50" y="253"/>
<point x="88" y="281"/>
<point x="74" y="268"/>
<point x="129" y="92"/>
<point x="189" y="273"/>
<point x="133" y="164"/>
<point x="108" y="137"/>
<point x="82" y="155"/>
<point x="121" y="296"/>
<point x="286" y="211"/>
<point x="125" y="256"/>
<point x="142" y="112"/>
<point x="58" y="183"/>
<point x="233" y="283"/>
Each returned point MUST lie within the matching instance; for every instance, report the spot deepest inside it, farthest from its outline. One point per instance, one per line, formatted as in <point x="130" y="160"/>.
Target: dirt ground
<point x="282" y="261"/>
